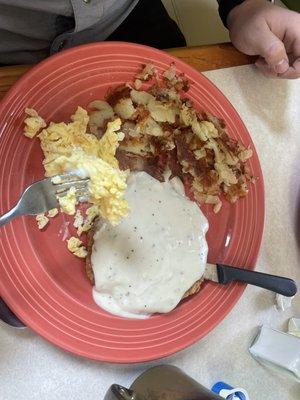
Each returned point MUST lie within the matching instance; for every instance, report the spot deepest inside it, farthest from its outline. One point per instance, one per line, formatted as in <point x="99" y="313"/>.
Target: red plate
<point x="45" y="285"/>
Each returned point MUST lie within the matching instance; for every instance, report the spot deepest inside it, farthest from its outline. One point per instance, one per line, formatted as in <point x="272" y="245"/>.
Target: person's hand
<point x="260" y="28"/>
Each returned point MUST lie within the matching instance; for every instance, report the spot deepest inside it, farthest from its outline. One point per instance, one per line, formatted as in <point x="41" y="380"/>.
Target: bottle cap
<point x="228" y="392"/>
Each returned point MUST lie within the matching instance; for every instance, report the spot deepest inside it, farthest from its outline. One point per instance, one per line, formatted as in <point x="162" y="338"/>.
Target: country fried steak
<point x="164" y="132"/>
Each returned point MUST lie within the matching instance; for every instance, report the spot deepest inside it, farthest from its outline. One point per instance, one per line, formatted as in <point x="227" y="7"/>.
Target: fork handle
<point x="4" y="219"/>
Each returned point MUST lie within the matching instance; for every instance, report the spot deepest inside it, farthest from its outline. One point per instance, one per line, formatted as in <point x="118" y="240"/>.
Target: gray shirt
<point x="31" y="30"/>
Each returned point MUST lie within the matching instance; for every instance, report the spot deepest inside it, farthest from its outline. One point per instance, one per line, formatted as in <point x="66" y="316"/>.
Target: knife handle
<point x="278" y="284"/>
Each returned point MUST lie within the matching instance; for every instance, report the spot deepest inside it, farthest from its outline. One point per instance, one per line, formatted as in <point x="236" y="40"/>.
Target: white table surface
<point x="31" y="368"/>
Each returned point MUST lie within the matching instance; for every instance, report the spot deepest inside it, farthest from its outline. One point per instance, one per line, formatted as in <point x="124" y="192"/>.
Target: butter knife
<point x="225" y="274"/>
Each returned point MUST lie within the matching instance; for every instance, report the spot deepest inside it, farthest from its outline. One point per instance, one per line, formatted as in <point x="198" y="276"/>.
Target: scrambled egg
<point x="33" y="123"/>
<point x="76" y="247"/>
<point x="78" y="219"/>
<point x="68" y="147"/>
<point x="52" y="213"/>
<point x="68" y="202"/>
<point x="84" y="225"/>
<point x="106" y="187"/>
<point x="42" y="221"/>
<point x="109" y="143"/>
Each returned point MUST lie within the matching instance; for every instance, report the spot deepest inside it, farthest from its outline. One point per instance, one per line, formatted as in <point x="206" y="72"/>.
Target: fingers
<point x="274" y="60"/>
<point x="265" y="69"/>
<point x="271" y="33"/>
<point x="293" y="72"/>
<point x="273" y="51"/>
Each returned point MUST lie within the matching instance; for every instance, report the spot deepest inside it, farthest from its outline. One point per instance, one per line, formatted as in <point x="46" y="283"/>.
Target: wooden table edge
<point x="202" y="58"/>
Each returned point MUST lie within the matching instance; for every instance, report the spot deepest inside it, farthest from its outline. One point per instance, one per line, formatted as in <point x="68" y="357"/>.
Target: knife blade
<point x="225" y="274"/>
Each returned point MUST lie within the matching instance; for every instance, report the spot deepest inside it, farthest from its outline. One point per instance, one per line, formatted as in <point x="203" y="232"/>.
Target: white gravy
<point x="147" y="263"/>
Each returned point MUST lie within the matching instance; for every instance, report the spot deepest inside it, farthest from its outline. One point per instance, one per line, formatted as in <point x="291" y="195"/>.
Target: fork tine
<point x="83" y="199"/>
<point x="42" y="195"/>
<point x="80" y="190"/>
<point x="67" y="177"/>
<point x="67" y="185"/>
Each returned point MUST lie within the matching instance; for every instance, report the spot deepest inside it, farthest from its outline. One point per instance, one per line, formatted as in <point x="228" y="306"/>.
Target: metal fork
<point x="43" y="195"/>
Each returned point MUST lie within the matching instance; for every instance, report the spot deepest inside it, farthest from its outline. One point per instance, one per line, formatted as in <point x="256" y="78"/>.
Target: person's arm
<point x="258" y="27"/>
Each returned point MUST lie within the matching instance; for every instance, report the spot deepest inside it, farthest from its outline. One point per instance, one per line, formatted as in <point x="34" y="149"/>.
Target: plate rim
<point x="237" y="287"/>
